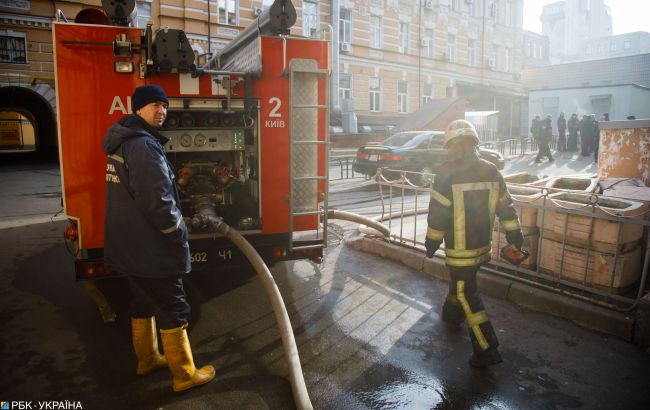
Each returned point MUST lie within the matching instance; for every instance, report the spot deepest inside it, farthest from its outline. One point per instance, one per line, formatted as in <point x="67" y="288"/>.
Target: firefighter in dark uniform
<point x="145" y="238"/>
<point x="466" y="196"/>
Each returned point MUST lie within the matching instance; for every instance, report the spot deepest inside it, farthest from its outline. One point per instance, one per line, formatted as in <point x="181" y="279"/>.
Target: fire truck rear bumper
<point x="214" y="253"/>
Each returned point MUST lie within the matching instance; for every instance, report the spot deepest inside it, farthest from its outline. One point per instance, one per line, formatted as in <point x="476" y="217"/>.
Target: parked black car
<point x="417" y="151"/>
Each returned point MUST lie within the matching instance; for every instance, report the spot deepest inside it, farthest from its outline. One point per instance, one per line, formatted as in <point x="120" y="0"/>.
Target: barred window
<point x="13" y="46"/>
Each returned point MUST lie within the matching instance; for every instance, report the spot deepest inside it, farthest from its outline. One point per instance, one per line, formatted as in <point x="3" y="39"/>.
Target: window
<point x="471" y="52"/>
<point x="376" y="32"/>
<point x="528" y="49"/>
<point x="509" y="14"/>
<point x="12" y="47"/>
<point x="345" y="26"/>
<point x="508" y="60"/>
<point x="144" y="13"/>
<point x="494" y="10"/>
<point x="402" y="97"/>
<point x="427" y="93"/>
<point x="310" y="19"/>
<point x="495" y="58"/>
<point x="403" y="37"/>
<point x="227" y="12"/>
<point x="429" y="46"/>
<point x="451" y="47"/>
<point x="472" y="9"/>
<point x="599" y="48"/>
<point x="626" y="44"/>
<point x="454" y="5"/>
<point x="612" y="46"/>
<point x="345" y="86"/>
<point x="374" y="87"/>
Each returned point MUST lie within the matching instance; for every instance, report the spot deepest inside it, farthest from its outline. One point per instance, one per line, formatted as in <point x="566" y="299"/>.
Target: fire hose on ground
<point x="296" y="379"/>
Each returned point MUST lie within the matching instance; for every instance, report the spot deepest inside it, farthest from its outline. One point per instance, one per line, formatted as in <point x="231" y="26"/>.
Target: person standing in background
<point x="573" y="125"/>
<point x="561" y="133"/>
<point x="545" y="136"/>
<point x="586" y="132"/>
<point x="604" y="117"/>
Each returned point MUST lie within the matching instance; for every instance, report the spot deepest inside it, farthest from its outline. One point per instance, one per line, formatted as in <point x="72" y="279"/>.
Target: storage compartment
<point x="520" y="178"/>
<point x="573" y="183"/>
<point x="523" y="197"/>
<point x="600" y="266"/>
<point x="604" y="233"/>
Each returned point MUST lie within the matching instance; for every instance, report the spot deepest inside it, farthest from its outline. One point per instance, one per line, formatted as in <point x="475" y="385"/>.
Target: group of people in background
<point x="585" y="130"/>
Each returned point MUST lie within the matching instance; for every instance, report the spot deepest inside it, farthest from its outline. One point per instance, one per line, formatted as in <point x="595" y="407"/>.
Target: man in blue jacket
<point x="145" y="238"/>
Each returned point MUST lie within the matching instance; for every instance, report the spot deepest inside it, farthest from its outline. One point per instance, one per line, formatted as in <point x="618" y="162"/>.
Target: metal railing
<point x="594" y="256"/>
<point x="343" y="164"/>
<point x="516" y="146"/>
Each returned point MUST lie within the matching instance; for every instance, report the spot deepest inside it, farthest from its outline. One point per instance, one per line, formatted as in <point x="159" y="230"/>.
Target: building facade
<point x="568" y="23"/>
<point x="536" y="50"/>
<point x="618" y="86"/>
<point x="390" y="57"/>
<point x="620" y="45"/>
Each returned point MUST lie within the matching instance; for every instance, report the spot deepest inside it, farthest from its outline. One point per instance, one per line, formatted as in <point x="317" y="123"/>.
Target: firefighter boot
<point x="181" y="363"/>
<point x="145" y="345"/>
<point x="452" y="312"/>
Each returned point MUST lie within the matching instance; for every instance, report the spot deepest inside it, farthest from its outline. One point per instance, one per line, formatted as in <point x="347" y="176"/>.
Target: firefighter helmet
<point x="460" y="128"/>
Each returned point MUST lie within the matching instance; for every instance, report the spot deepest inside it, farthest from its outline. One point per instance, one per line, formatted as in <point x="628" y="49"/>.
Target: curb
<point x="621" y="325"/>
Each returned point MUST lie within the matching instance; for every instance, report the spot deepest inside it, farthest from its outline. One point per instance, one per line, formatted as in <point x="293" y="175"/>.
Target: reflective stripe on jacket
<point x="467" y="195"/>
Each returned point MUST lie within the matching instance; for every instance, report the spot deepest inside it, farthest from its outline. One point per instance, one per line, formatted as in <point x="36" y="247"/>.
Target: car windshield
<point x="406" y="139"/>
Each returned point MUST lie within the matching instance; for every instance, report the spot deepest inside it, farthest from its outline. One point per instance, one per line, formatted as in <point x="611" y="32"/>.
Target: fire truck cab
<point x="248" y="133"/>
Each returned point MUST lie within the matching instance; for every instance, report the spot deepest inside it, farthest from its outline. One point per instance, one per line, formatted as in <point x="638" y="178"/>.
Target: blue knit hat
<point x="146" y="94"/>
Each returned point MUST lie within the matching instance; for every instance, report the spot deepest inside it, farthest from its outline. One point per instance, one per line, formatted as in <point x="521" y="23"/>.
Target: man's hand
<point x="432" y="246"/>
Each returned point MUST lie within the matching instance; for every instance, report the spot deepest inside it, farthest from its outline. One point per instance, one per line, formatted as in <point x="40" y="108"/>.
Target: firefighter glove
<point x="431" y="246"/>
<point x="515" y="238"/>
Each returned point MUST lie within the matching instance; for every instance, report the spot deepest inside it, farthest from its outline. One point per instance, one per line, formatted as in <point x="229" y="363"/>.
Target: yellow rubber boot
<point x="180" y="361"/>
<point x="145" y="344"/>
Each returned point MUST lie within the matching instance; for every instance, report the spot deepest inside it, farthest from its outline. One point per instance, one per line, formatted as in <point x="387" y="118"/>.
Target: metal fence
<point x="517" y="146"/>
<point x="341" y="167"/>
<point x="591" y="251"/>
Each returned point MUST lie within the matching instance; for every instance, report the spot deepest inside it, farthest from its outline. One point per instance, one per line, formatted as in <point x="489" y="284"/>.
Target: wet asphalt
<point x="368" y="331"/>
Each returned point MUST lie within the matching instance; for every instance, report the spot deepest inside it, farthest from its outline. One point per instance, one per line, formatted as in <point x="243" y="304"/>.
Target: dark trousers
<point x="586" y="145"/>
<point x="561" y="141"/>
<point x="463" y="295"/>
<point x="163" y="298"/>
<point x="544" y="149"/>
<point x="572" y="143"/>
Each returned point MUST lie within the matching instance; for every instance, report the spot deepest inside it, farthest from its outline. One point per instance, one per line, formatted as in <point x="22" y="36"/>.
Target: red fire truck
<point x="248" y="131"/>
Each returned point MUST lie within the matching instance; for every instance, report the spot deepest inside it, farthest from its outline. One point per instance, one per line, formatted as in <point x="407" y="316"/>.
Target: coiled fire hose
<point x="298" y="387"/>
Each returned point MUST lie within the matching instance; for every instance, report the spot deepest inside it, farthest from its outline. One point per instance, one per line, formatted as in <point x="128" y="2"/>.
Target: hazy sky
<point x="627" y="15"/>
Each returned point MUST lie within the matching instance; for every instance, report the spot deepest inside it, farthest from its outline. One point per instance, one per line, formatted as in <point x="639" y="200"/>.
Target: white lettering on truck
<point x="277" y="103"/>
<point x="118" y="105"/>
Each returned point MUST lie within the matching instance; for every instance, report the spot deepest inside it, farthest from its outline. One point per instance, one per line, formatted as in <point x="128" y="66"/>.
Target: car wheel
<point x="423" y="179"/>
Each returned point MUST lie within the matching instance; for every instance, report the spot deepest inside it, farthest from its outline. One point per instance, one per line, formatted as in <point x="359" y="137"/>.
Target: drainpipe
<point x="334" y="86"/>
<point x="209" y="53"/>
<point x="420" y="55"/>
